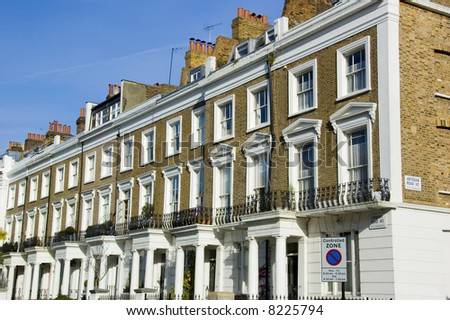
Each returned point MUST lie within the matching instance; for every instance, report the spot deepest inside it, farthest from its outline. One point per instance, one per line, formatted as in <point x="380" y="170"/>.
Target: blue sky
<point x="56" y="55"/>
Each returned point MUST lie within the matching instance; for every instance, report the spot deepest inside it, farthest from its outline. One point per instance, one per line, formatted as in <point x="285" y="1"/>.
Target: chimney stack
<point x="248" y="25"/>
<point x="299" y="11"/>
<point x="81" y="121"/>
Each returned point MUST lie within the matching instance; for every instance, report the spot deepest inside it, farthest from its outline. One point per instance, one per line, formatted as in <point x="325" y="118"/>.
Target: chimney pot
<point x="191" y="44"/>
<point x="240" y="12"/>
<point x="264" y="19"/>
<point x="64" y="129"/>
<point x="59" y="127"/>
<point x="82" y="112"/>
<point x="198" y="46"/>
<point x="203" y="43"/>
<point x="110" y="89"/>
<point x="10" y="145"/>
<point x="246" y="13"/>
<point x="68" y="129"/>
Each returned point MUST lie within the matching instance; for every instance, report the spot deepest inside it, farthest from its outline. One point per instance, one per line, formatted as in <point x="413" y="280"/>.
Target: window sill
<point x="221" y="139"/>
<point x="353" y="94"/>
<point x="196" y="145"/>
<point x="259" y="126"/>
<point x="122" y="170"/>
<point x="296" y="113"/>
<point x="172" y="154"/>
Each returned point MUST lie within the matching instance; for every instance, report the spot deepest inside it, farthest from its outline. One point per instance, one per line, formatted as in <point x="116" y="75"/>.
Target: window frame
<point x="294" y="74"/>
<point x="11" y="196"/>
<point x="252" y="121"/>
<point x="60" y="178"/>
<point x="33" y="194"/>
<point x="197" y="141"/>
<point x="145" y="158"/>
<point x="89" y="173"/>
<point x="148" y="179"/>
<point x="45" y="185"/>
<point x="196" y="170"/>
<point x="124" y="142"/>
<point x="102" y="194"/>
<point x="169" y="174"/>
<point x="171" y="149"/>
<point x="341" y="59"/>
<point x="218" y="105"/>
<point x="72" y="181"/>
<point x="107" y="171"/>
<point x="71" y="203"/>
<point x="21" y="193"/>
<point x="221" y="156"/>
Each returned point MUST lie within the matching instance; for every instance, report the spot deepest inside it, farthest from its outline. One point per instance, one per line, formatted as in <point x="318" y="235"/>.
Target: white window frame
<point x="18" y="227"/>
<point x="256" y="149"/>
<point x="297" y="135"/>
<point x="71" y="211"/>
<point x="171" y="148"/>
<point x="169" y="174"/>
<point x="73" y="176"/>
<point x="342" y="54"/>
<point x="87" y="210"/>
<point x="221" y="156"/>
<point x="104" y="215"/>
<point x="57" y="220"/>
<point x="196" y="168"/>
<point x="8" y="224"/>
<point x="353" y="117"/>
<point x="107" y="163"/>
<point x="218" y="105"/>
<point x="145" y="157"/>
<point x="45" y="187"/>
<point x="198" y="134"/>
<point x="31" y="223"/>
<point x="124" y="154"/>
<point x="60" y="178"/>
<point x="294" y="74"/>
<point x="11" y="196"/>
<point x="124" y="201"/>
<point x="43" y="211"/>
<point x="21" y="193"/>
<point x="34" y="185"/>
<point x="146" y="180"/>
<point x="252" y="121"/>
<point x="89" y="173"/>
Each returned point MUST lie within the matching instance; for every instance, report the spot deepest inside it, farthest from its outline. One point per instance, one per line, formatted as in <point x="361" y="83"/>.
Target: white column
<point x="219" y="269"/>
<point x="179" y="273"/>
<point x="134" y="282"/>
<point x="199" y="292"/>
<point x="252" y="268"/>
<point x="103" y="273"/>
<point x="91" y="276"/>
<point x="35" y="283"/>
<point x="11" y="272"/>
<point x="280" y="268"/>
<point x="81" y="278"/>
<point x="51" y="280"/>
<point x="149" y="266"/>
<point x="119" y="275"/>
<point x="27" y="282"/>
<point x="303" y="267"/>
<point x="66" y="278"/>
<point x="56" y="279"/>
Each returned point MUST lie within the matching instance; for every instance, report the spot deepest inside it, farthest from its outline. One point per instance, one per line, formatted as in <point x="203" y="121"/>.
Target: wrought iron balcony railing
<point x="145" y="222"/>
<point x="103" y="229"/>
<point x="198" y="215"/>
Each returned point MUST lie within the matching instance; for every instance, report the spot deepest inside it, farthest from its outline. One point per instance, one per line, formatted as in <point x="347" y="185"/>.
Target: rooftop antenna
<point x="171" y="61"/>
<point x="209" y="28"/>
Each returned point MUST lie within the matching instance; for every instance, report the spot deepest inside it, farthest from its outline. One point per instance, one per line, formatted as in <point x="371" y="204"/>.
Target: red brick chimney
<point x="248" y="25"/>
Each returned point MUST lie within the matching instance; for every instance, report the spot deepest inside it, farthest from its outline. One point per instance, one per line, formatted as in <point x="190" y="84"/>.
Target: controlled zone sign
<point x="334" y="260"/>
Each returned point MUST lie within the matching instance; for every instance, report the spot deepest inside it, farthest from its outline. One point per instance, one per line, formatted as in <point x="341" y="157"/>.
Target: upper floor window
<point x="33" y="188"/>
<point x="173" y="133"/>
<point x="90" y="168"/>
<point x="197" y="74"/>
<point x="59" y="181"/>
<point x="303" y="88"/>
<point x="306" y="162"/>
<point x="148" y="146"/>
<point x="11" y="196"/>
<point x="107" y="161"/>
<point x="104" y="213"/>
<point x="21" y="195"/>
<point x="224" y="119"/>
<point x="256" y="150"/>
<point x="172" y="189"/>
<point x="197" y="173"/>
<point x="146" y="187"/>
<point x="56" y="225"/>
<point x="353" y="127"/>
<point x="257" y="106"/>
<point x="353" y="68"/>
<point x="222" y="158"/>
<point x="45" y="187"/>
<point x="198" y="127"/>
<point x="127" y="154"/>
<point x="87" y="218"/>
<point x="71" y="212"/>
<point x="73" y="174"/>
<point x="102" y="114"/>
<point x="124" y="210"/>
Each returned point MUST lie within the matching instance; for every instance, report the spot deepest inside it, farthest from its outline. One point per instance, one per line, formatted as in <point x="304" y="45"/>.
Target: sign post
<point x="334" y="261"/>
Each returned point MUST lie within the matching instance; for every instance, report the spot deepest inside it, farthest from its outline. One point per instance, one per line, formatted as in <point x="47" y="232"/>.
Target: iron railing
<point x="198" y="215"/>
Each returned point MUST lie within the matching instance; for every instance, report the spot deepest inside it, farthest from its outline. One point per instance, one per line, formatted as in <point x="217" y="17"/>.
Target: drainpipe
<point x="80" y="181"/>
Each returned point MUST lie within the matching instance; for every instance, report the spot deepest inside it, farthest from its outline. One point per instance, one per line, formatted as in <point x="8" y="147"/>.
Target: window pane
<point x="358" y="160"/>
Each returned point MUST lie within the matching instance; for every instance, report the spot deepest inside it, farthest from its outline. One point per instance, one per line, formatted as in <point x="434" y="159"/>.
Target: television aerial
<point x="209" y="28"/>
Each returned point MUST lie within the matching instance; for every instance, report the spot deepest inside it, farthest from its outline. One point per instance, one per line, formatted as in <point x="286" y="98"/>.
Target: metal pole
<point x="171" y="61"/>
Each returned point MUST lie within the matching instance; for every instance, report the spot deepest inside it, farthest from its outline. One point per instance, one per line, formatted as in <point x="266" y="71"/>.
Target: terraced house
<point x="332" y="122"/>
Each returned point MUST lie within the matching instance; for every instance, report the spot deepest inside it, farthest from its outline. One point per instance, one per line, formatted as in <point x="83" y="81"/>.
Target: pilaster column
<point x="27" y="282"/>
<point x="179" y="273"/>
<point x="35" y="283"/>
<point x="199" y="292"/>
<point x="56" y="279"/>
<point x="134" y="283"/>
<point x="66" y="278"/>
<point x="252" y="268"/>
<point x="119" y="280"/>
<point x="103" y="273"/>
<point x="149" y="261"/>
<point x="280" y="268"/>
<point x="51" y="280"/>
<point x="81" y="278"/>
<point x="303" y="267"/>
<point x="11" y="272"/>
<point x="219" y="269"/>
<point x="91" y="276"/>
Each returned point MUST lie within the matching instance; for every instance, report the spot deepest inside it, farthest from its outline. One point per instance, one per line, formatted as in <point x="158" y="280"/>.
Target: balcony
<point x="103" y="229"/>
<point x="198" y="215"/>
<point x="145" y="222"/>
<point x="37" y="242"/>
